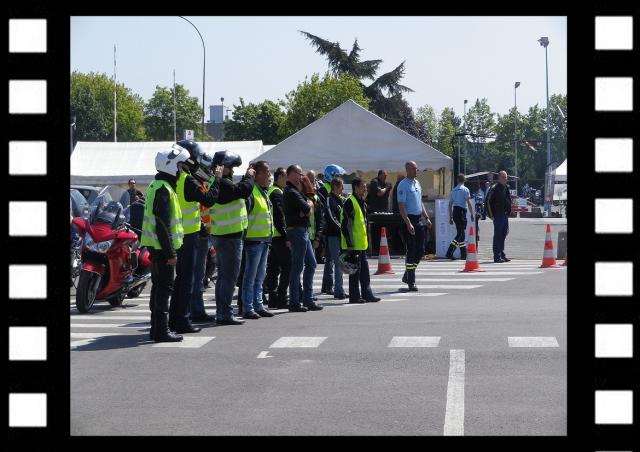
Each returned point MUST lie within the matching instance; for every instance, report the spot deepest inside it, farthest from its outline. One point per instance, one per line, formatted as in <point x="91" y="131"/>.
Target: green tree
<point x="479" y="123"/>
<point x="91" y="100"/>
<point x="158" y="114"/>
<point x="316" y="97"/>
<point x="448" y="125"/>
<point x="255" y="122"/>
<point x="384" y="93"/>
<point x="428" y="120"/>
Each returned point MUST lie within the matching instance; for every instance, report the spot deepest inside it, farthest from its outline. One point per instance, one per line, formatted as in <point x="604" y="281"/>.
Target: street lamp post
<point x="204" y="63"/>
<point x="222" y="127"/>
<point x="515" y="129"/>
<point x="464" y="138"/>
<point x="544" y="42"/>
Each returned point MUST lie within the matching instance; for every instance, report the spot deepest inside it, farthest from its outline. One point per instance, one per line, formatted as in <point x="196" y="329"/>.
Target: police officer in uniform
<point x="162" y="233"/>
<point x="412" y="212"/>
<point x="229" y="222"/>
<point x="459" y="199"/>
<point x="190" y="196"/>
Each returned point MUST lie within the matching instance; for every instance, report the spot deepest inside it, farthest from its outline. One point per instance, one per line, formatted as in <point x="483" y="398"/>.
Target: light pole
<point x="222" y="127"/>
<point x="544" y="42"/>
<point x="464" y="141"/>
<point x="515" y="129"/>
<point x="204" y="63"/>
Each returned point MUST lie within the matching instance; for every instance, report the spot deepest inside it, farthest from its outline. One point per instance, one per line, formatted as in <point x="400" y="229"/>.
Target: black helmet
<point x="226" y="158"/>
<point x="194" y="149"/>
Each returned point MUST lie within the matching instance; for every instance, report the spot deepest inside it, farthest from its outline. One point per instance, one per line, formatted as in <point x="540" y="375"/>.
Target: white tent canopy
<point x="355" y="139"/>
<point x="561" y="172"/>
<point x="101" y="163"/>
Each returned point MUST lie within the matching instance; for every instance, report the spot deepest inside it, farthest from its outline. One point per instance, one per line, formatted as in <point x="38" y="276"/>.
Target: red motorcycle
<point x="114" y="266"/>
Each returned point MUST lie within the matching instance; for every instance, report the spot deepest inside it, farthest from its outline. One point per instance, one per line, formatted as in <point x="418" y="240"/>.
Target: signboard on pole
<point x="188" y="135"/>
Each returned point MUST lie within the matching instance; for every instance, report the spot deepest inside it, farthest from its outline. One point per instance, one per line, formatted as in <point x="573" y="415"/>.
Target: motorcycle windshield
<point x="98" y="206"/>
<point x="125" y="201"/>
<point x="112" y="214"/>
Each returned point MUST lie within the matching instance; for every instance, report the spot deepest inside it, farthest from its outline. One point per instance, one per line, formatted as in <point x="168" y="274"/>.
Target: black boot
<point x="463" y="253"/>
<point x="450" y="251"/>
<point x="153" y="321"/>
<point x="404" y="277"/>
<point x="161" y="330"/>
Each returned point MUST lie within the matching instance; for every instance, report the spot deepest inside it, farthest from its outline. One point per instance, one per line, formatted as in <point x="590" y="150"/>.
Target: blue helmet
<point x="333" y="170"/>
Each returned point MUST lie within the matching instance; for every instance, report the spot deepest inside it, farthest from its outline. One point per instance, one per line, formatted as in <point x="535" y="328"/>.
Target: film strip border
<point x="36" y="239"/>
<point x="614" y="235"/>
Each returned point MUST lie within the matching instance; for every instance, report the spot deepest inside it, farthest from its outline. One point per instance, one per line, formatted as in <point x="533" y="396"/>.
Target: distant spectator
<point x="134" y="194"/>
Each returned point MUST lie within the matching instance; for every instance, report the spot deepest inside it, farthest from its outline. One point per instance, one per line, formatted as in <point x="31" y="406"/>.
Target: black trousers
<point x="460" y="220"/>
<point x="162" y="277"/>
<point x="278" y="263"/>
<point x="375" y="239"/>
<point x="415" y="247"/>
<point x="360" y="281"/>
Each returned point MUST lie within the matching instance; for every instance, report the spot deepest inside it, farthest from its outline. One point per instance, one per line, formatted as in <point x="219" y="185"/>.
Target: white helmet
<point x="167" y="161"/>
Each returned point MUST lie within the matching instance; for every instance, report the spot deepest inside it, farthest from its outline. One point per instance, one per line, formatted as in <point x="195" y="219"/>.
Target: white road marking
<point x="414" y="341"/>
<point x="109" y="317"/>
<point x="187" y="342"/>
<point x="264" y="355"/>
<point x="108" y="325"/>
<point x="390" y="298"/>
<point x="486" y="273"/>
<point x="428" y="286"/>
<point x="385" y="295"/>
<point x="454" y="415"/>
<point x="298" y="342"/>
<point x="515" y="341"/>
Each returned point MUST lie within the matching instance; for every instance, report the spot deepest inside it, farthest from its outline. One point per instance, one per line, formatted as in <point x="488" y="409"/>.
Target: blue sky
<point x="448" y="59"/>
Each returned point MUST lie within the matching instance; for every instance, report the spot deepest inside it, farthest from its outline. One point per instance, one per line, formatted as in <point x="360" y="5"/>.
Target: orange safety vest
<point x="205" y="216"/>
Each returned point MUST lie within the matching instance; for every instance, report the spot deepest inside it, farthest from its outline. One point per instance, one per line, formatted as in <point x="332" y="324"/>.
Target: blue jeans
<point x="500" y="231"/>
<point x="255" y="269"/>
<point x="197" y="300"/>
<point x="331" y="252"/>
<point x="229" y="256"/>
<point x="302" y="256"/>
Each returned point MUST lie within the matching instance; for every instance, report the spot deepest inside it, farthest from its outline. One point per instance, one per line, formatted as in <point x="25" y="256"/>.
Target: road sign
<point x="188" y="135"/>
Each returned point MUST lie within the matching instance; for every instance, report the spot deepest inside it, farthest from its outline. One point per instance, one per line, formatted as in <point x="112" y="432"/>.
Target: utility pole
<point x="115" y="99"/>
<point x="175" y="125"/>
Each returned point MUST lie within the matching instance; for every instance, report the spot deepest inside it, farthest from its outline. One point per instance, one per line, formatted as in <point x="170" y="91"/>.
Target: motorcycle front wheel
<point x="86" y="291"/>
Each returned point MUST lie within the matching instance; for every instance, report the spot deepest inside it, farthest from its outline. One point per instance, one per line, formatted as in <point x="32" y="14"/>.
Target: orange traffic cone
<point x="471" y="265"/>
<point x="384" y="260"/>
<point x="548" y="259"/>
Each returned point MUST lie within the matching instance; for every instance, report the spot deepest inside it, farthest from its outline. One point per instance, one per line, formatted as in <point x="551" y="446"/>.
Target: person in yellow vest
<point x="162" y="233"/>
<point x="190" y="197"/>
<point x="353" y="232"/>
<point x="229" y="222"/>
<point x="198" y="312"/>
<point x="256" y="243"/>
<point x="279" y="259"/>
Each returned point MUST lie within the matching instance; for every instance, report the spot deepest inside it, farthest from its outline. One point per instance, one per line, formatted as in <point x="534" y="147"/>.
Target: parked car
<point x="78" y="203"/>
<point x="90" y="193"/>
